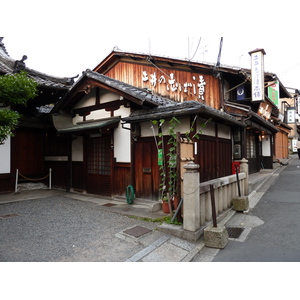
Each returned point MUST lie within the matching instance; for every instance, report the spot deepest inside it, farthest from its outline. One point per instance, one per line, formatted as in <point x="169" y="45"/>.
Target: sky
<point x="64" y="38"/>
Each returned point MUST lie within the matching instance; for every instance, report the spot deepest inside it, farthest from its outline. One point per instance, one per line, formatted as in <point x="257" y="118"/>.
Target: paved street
<point x="272" y="228"/>
<point x="58" y="228"/>
<point x="54" y="226"/>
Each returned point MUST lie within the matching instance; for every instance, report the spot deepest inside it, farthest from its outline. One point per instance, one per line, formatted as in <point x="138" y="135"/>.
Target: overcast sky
<point x="64" y="38"/>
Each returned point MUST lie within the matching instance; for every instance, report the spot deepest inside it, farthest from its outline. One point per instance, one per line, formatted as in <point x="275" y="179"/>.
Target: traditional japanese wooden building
<point x="106" y="125"/>
<point x="221" y="87"/>
<point x="27" y="149"/>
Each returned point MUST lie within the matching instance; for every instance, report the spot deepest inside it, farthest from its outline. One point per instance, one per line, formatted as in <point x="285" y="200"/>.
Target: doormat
<point x="137" y="231"/>
<point x="8" y="216"/>
<point x="234" y="232"/>
<point x="109" y="204"/>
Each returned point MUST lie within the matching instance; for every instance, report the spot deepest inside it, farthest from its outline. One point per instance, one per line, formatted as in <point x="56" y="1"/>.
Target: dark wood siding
<point x="214" y="157"/>
<point x="78" y="176"/>
<point x="7" y="183"/>
<point x="28" y="152"/>
<point x="59" y="173"/>
<point x="57" y="147"/>
<point x="146" y="169"/>
<point x="99" y="165"/>
<point x="121" y="178"/>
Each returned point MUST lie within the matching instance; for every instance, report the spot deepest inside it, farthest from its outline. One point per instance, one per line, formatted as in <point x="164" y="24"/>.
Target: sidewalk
<point x="164" y="247"/>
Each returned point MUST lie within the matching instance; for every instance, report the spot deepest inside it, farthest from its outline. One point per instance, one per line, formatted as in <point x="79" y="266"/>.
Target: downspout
<point x="70" y="170"/>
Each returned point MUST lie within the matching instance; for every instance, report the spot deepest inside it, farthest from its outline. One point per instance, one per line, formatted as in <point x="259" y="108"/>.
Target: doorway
<point x="99" y="165"/>
<point x="146" y="169"/>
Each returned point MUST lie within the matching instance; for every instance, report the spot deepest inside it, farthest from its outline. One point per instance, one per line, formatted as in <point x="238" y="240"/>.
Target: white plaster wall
<point x="87" y="100"/>
<point x="5" y="157"/>
<point x="209" y="129"/>
<point x="122" y="145"/>
<point x="77" y="149"/>
<point x="224" y="131"/>
<point x="266" y="146"/>
<point x="148" y="129"/>
<point x="122" y="142"/>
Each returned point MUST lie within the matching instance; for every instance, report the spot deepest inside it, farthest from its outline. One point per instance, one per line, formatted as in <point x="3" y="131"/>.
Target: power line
<point x="289" y="69"/>
<point x="197" y="48"/>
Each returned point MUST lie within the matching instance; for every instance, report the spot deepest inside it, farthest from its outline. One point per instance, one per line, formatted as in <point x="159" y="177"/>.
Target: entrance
<point x="98" y="165"/>
<point x="146" y="169"/>
<point x="253" y="151"/>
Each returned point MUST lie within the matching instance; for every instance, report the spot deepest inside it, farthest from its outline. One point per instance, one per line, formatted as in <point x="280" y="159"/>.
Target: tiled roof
<point x="178" y="109"/>
<point x="142" y="94"/>
<point x="7" y="66"/>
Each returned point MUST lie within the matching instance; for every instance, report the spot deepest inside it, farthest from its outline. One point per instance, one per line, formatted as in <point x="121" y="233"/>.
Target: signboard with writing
<point x="257" y="75"/>
<point x="273" y="93"/>
<point x="195" y="86"/>
<point x="176" y="83"/>
<point x="265" y="110"/>
<point x="291" y="115"/>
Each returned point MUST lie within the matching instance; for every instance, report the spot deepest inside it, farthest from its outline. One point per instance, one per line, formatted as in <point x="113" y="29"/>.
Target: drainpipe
<point x="69" y="184"/>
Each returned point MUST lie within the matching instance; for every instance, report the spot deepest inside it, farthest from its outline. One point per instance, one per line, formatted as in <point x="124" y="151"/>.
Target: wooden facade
<point x="176" y="84"/>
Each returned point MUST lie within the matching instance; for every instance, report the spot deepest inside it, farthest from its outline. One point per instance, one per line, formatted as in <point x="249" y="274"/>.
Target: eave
<point x="92" y="79"/>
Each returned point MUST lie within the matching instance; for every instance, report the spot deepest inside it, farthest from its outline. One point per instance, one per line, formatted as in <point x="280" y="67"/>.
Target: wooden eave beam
<point x="113" y="105"/>
<point x="116" y="91"/>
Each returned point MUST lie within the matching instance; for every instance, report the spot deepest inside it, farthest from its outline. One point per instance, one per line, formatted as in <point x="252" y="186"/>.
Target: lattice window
<point x="98" y="159"/>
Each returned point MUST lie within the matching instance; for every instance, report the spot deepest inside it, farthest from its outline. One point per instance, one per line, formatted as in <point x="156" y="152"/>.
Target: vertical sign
<point x="160" y="157"/>
<point x="257" y="74"/>
<point x="297" y="104"/>
<point x="273" y="93"/>
<point x="291" y="115"/>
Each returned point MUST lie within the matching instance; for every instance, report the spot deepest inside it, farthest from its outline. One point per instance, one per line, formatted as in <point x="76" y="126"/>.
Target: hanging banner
<point x="257" y="74"/>
<point x="273" y="93"/>
<point x="240" y="93"/>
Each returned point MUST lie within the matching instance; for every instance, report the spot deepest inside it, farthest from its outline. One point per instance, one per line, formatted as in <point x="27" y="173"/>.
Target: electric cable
<point x="196" y="48"/>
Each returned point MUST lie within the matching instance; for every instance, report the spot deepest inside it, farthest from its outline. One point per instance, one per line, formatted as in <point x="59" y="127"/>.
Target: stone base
<point x="215" y="237"/>
<point x="240" y="203"/>
<point x="178" y="231"/>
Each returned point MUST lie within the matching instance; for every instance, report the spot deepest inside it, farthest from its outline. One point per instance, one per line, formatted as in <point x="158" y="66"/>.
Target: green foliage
<point x="17" y="89"/>
<point x="14" y="89"/>
<point x="8" y="122"/>
<point x="169" y="169"/>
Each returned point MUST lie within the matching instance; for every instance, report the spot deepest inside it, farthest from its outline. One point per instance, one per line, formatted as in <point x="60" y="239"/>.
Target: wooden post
<point x="178" y="179"/>
<point x="213" y="205"/>
<point x="16" y="184"/>
<point x="50" y="179"/>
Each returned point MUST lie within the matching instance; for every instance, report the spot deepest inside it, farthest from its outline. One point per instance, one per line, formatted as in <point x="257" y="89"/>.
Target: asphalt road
<point x="276" y="239"/>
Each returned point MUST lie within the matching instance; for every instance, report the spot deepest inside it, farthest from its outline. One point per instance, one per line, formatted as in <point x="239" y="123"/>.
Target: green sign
<point x="273" y="93"/>
<point x="160" y="157"/>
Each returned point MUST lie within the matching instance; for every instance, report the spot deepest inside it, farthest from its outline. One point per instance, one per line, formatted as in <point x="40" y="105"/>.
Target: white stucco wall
<point x="77" y="149"/>
<point x="148" y="129"/>
<point x="266" y="146"/>
<point x="5" y="157"/>
<point x="122" y="143"/>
